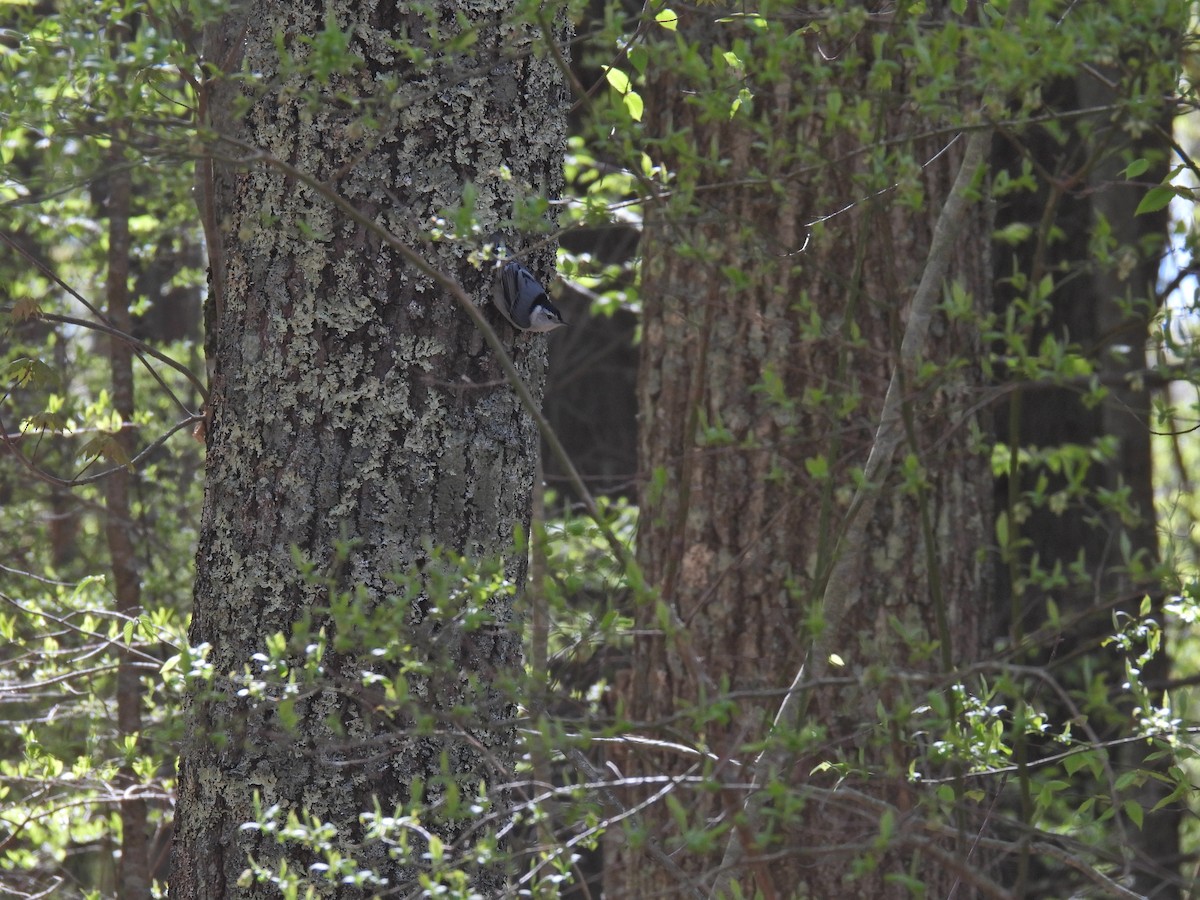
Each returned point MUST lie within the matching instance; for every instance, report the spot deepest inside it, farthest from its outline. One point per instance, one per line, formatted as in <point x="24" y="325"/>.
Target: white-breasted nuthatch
<point x="523" y="301"/>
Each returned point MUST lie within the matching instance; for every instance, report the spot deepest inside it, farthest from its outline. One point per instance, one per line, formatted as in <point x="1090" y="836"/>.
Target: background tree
<point x="1076" y="496"/>
<point x="783" y="274"/>
<point x="772" y="331"/>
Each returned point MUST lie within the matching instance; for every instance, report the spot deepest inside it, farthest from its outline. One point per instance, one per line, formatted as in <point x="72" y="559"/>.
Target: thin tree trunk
<point x="133" y="872"/>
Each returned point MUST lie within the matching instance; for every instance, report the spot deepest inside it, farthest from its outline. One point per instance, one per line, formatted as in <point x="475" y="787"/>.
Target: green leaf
<point x="667" y="18"/>
<point x="1126" y="780"/>
<point x="1014" y="233"/>
<point x="30" y="371"/>
<point x="1156" y="198"/>
<point x="818" y="467"/>
<point x="887" y="825"/>
<point x="1134" y="811"/>
<point x="639" y="57"/>
<point x="1137" y="167"/>
<point x="437" y="848"/>
<point x="833" y="103"/>
<point x="634" y="105"/>
<point x="618" y="79"/>
<point x="1073" y="762"/>
<point x="744" y="96"/>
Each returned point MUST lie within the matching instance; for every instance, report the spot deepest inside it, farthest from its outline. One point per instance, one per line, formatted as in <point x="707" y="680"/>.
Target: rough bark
<point x="356" y="407"/>
<point x="743" y="388"/>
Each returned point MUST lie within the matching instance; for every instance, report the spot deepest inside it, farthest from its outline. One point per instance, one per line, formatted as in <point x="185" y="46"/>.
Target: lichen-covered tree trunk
<point x="358" y="424"/>
<point x="777" y="284"/>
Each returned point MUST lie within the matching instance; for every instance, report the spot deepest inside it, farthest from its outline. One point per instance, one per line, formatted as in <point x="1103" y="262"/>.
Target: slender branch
<point x="7" y="441"/>
<point x="103" y="639"/>
<point x="139" y="346"/>
<point x="105" y="325"/>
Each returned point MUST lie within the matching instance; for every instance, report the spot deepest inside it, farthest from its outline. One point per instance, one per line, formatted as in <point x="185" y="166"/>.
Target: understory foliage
<point x="1069" y="732"/>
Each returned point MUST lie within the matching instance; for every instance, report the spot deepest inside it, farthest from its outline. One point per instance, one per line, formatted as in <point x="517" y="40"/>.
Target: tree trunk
<point x="133" y="874"/>
<point x="775" y="307"/>
<point x="359" y="426"/>
<point x="1089" y="555"/>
